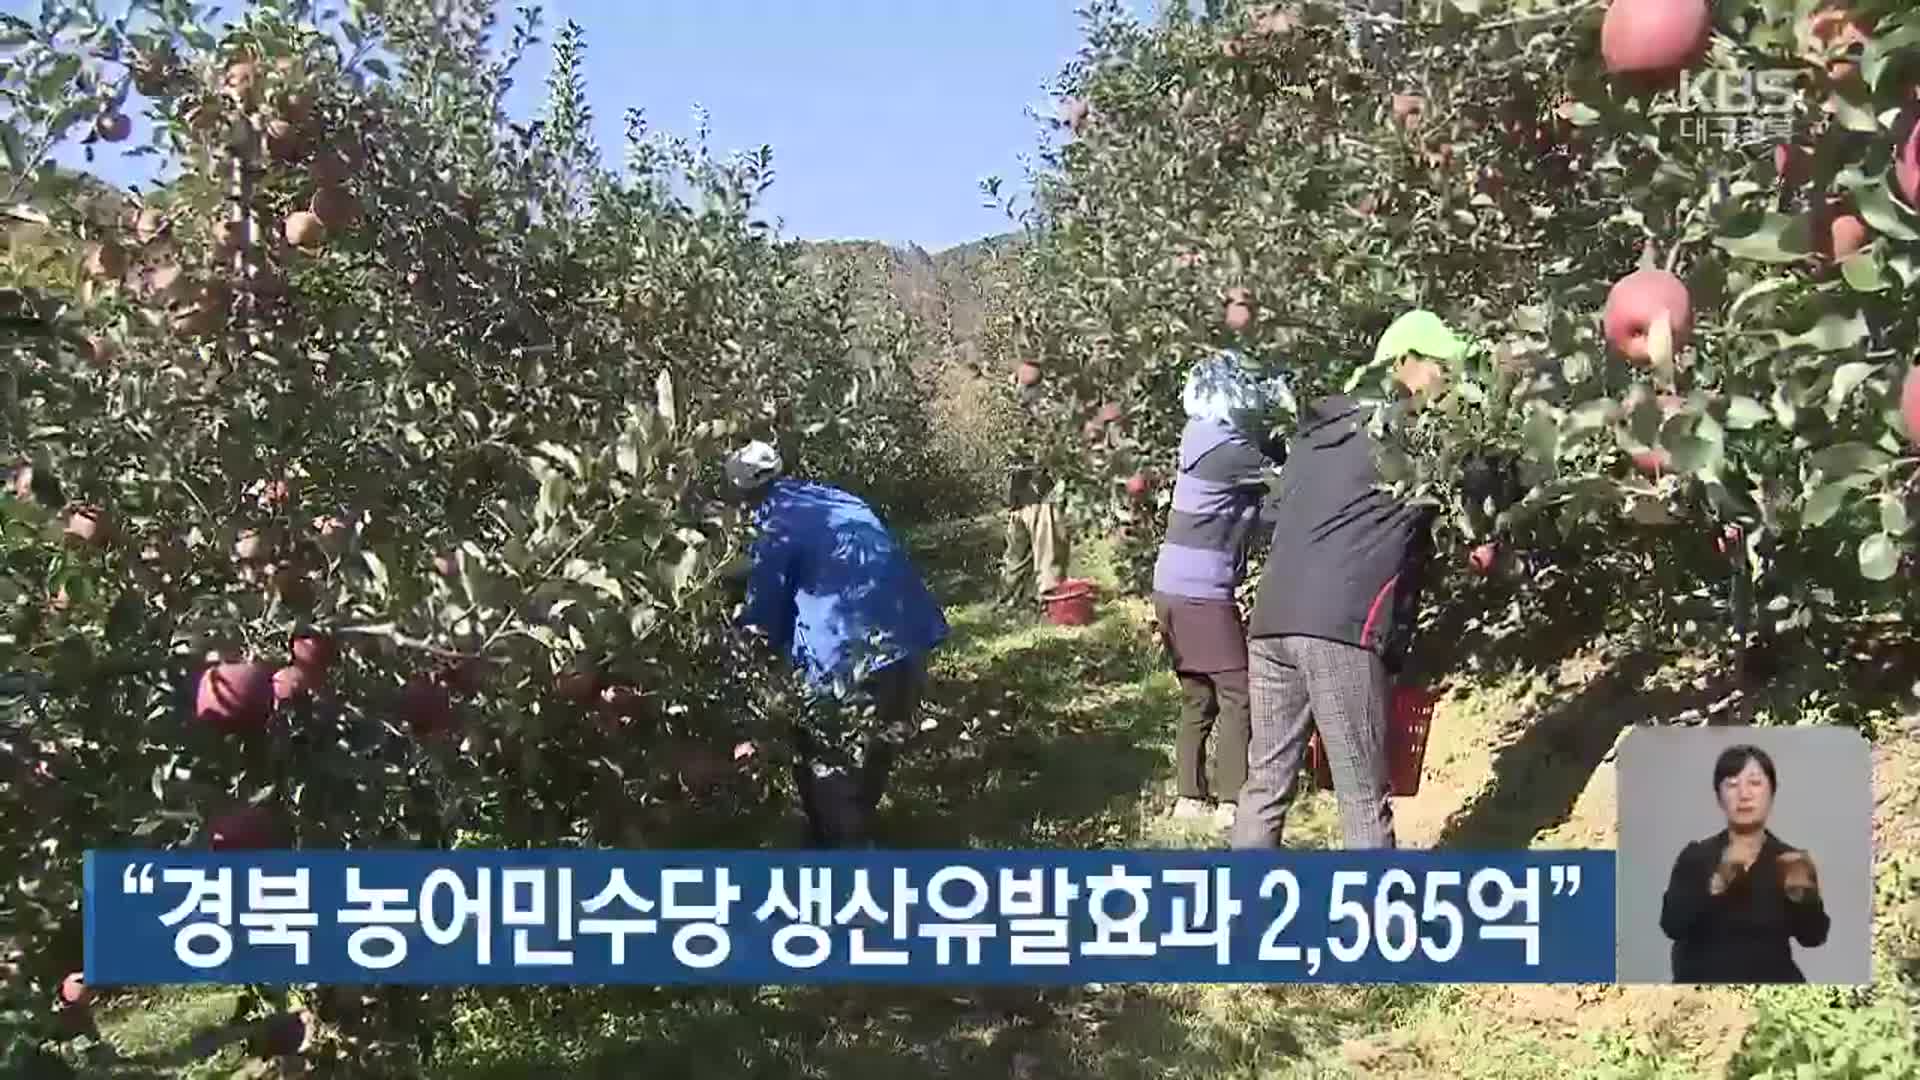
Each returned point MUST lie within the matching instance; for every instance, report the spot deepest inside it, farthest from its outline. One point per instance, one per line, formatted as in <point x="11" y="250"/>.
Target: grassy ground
<point x="1060" y="737"/>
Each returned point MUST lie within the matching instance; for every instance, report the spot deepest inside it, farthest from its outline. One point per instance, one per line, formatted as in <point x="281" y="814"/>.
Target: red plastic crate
<point x="1409" y="718"/>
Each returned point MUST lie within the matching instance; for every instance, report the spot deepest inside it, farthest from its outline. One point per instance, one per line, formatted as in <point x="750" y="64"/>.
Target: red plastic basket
<point x="1070" y="603"/>
<point x="1409" y="718"/>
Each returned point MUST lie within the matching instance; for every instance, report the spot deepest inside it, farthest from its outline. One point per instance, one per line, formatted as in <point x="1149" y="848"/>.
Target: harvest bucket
<point x="1070" y="603"/>
<point x="1409" y="717"/>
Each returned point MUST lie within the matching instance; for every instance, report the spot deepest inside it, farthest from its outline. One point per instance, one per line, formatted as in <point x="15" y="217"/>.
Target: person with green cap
<point x="1334" y="611"/>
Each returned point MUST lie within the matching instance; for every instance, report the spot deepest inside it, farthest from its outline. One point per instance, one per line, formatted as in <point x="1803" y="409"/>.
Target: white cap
<point x="753" y="465"/>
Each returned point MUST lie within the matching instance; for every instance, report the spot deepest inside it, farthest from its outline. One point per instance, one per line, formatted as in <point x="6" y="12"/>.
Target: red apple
<point x="1906" y="165"/>
<point x="1483" y="558"/>
<point x="1910" y="404"/>
<point x="293" y="681"/>
<point x="463" y="676"/>
<point x="1839" y="233"/>
<point x="1654" y="37"/>
<point x="113" y="127"/>
<point x="1110" y="412"/>
<point x="1792" y="163"/>
<point x="1636" y="302"/>
<point x="250" y="828"/>
<point x="235" y="697"/>
<point x="333" y="535"/>
<point x="1408" y="110"/>
<point x="620" y="703"/>
<point x="579" y="686"/>
<point x="283" y="1034"/>
<point x="1027" y="374"/>
<point x="74" y="991"/>
<point x="1727" y="540"/>
<point x="447" y="565"/>
<point x="1138" y="485"/>
<point x="87" y="526"/>
<point x="1652" y="461"/>
<point x="275" y="493"/>
<point x="426" y="707"/>
<point x="1833" y="29"/>
<point x="314" y="651"/>
<point x="1073" y="113"/>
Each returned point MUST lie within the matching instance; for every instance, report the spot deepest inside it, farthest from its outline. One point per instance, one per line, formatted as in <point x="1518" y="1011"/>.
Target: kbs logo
<point x="1736" y="106"/>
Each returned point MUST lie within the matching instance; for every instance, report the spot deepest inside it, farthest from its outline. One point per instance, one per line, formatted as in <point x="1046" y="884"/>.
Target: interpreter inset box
<point x="1746" y="856"/>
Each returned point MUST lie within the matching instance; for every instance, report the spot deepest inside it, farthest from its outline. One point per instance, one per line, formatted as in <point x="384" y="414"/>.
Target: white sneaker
<point x="1191" y="809"/>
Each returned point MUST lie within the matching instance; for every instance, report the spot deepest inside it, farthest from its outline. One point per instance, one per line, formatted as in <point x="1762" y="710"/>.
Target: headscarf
<point x="1224" y="389"/>
<point x="753" y="466"/>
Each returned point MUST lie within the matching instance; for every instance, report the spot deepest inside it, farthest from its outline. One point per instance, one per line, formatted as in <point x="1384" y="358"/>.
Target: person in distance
<point x="1334" y="612"/>
<point x="1038" y="545"/>
<point x="1738" y="898"/>
<point x="1225" y="460"/>
<point x="833" y="589"/>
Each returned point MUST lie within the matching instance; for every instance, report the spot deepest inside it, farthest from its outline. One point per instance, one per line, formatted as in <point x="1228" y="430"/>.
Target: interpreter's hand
<point x="1724" y="875"/>
<point x="1798" y="876"/>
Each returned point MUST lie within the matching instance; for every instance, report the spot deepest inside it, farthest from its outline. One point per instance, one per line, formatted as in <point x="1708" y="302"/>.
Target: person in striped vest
<point x="1218" y="491"/>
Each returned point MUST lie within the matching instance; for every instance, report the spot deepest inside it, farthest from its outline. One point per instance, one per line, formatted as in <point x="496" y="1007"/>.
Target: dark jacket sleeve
<point x="1237" y="464"/>
<point x="1407" y="588"/>
<point x="1808" y="921"/>
<point x="1688" y="899"/>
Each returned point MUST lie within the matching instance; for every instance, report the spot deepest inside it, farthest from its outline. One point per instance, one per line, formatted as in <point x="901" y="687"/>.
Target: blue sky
<point x="883" y="115"/>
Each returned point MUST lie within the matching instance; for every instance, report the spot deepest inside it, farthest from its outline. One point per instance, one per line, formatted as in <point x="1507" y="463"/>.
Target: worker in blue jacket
<point x="831" y="588"/>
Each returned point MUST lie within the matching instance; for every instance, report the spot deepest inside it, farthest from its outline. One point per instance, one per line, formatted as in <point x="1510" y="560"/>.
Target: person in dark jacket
<point x="1738" y="899"/>
<point x="1334" y="612"/>
<point x="1218" y="491"/>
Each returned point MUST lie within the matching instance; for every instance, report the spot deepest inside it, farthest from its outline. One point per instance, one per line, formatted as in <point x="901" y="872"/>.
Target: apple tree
<point x="1715" y="445"/>
<point x="363" y="485"/>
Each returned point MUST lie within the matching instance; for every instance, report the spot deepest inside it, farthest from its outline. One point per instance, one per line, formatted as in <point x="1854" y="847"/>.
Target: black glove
<point x="1491" y="477"/>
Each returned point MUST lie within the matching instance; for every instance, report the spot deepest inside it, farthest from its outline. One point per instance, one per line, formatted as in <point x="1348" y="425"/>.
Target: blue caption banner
<point x="796" y="917"/>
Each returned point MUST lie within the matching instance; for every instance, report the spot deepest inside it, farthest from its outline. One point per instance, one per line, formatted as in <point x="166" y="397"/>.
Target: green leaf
<point x="1879" y="557"/>
<point x="1863" y="272"/>
<point x="1833" y="332"/>
<point x="1542" y="436"/>
<point x="1880" y="210"/>
<point x="1883" y="50"/>
<point x="566" y="457"/>
<point x="1755" y="291"/>
<point x="1893" y="515"/>
<point x="1744" y="413"/>
<point x="1693" y="454"/>
<point x="1844" y="461"/>
<point x="15" y="150"/>
<point x="1825" y="502"/>
<point x="664" y="401"/>
<point x="382" y="583"/>
<point x="1846" y="379"/>
<point x="1587" y="416"/>
<point x="1772" y="242"/>
<point x="555" y="490"/>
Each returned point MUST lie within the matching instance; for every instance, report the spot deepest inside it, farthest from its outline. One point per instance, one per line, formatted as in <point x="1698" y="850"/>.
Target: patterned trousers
<point x="1299" y="684"/>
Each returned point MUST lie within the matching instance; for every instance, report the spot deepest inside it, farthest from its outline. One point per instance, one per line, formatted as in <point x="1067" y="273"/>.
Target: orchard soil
<point x="1049" y="736"/>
